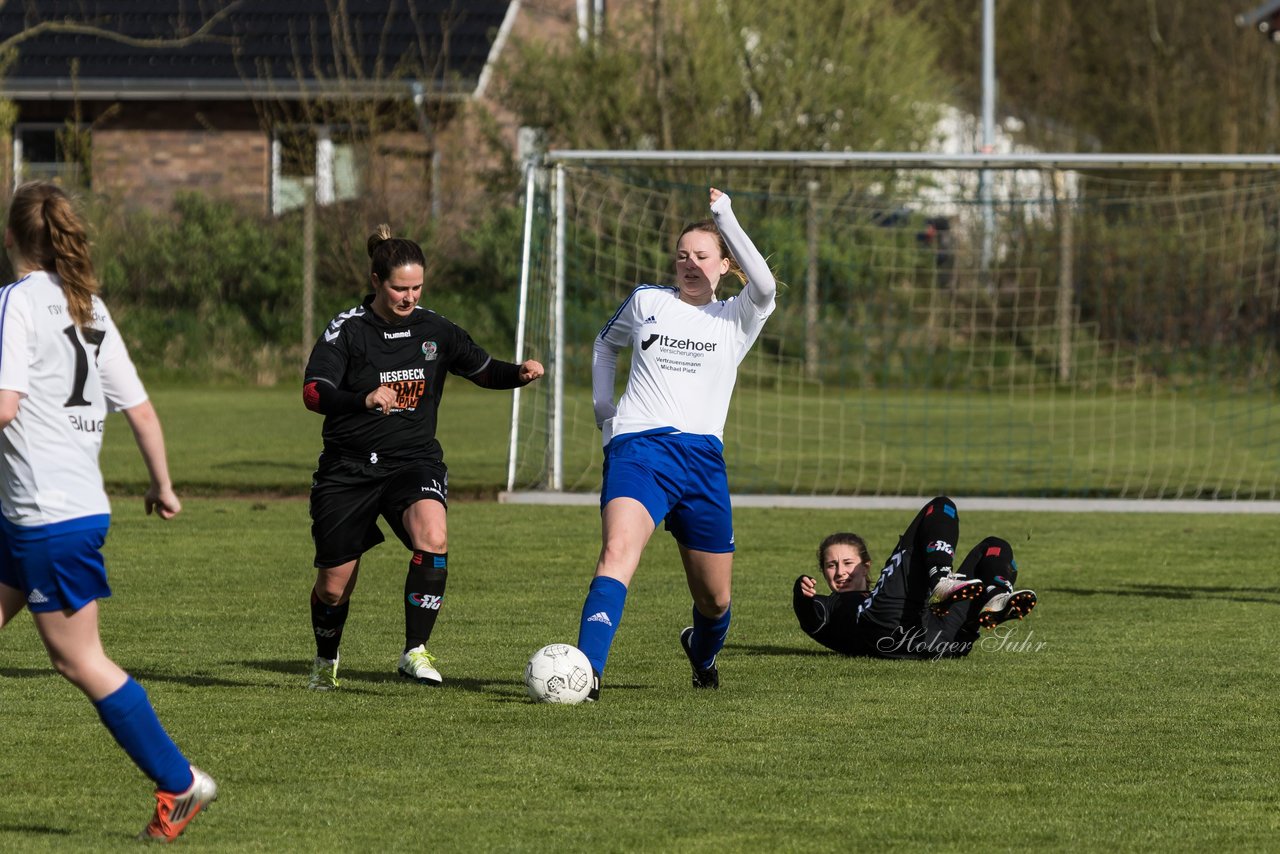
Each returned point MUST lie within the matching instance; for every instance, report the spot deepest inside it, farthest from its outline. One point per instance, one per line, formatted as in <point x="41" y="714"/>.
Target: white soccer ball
<point x="558" y="673"/>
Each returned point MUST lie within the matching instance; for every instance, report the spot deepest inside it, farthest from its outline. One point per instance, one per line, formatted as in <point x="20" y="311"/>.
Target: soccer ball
<point x="558" y="673"/>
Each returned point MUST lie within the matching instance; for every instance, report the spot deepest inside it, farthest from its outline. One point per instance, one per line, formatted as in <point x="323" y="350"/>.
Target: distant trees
<point x="815" y="75"/>
<point x="1173" y="76"/>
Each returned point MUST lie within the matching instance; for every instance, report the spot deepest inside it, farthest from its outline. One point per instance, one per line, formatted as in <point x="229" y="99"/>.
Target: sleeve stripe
<point x="627" y="302"/>
<point x="4" y="307"/>
<point x="481" y="368"/>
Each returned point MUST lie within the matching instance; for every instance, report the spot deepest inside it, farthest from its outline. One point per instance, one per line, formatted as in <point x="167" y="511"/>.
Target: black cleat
<point x="708" y="677"/>
<point x="1006" y="605"/>
<point x="594" y="693"/>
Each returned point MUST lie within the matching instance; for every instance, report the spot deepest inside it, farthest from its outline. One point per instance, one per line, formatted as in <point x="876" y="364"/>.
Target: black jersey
<point x="833" y="620"/>
<point x="360" y="351"/>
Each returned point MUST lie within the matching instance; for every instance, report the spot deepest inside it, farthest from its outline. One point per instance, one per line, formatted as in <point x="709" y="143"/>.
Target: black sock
<point x="936" y="537"/>
<point x="327" y="622"/>
<point x="995" y="561"/>
<point x="423" y="596"/>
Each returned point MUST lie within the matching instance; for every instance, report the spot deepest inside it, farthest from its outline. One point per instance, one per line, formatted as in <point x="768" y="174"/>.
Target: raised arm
<point x="761" y="286"/>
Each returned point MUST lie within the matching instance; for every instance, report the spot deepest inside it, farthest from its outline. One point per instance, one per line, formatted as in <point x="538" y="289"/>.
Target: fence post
<point x="1066" y="287"/>
<point x="308" y="266"/>
<point x="811" y="343"/>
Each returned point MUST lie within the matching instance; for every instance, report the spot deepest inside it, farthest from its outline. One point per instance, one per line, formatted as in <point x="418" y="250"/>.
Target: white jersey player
<point x="50" y="452"/>
<point x="664" y="452"/>
<point x="62" y="366"/>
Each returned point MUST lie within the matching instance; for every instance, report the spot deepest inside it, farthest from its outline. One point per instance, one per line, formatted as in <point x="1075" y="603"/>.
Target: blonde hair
<point x="49" y="235"/>
<point x="708" y="226"/>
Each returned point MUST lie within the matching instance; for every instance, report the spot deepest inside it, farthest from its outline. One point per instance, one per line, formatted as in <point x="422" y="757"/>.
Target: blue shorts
<point x="59" y="567"/>
<point x="681" y="479"/>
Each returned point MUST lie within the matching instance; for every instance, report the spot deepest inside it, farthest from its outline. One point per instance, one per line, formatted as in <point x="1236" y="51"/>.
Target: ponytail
<point x="49" y="235"/>
<point x="388" y="253"/>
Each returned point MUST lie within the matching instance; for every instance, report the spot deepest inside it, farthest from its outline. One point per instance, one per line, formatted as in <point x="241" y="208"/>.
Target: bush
<point x="209" y="292"/>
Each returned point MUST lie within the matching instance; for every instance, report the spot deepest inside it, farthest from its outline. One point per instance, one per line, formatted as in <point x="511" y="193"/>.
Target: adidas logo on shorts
<point x="35" y="597"/>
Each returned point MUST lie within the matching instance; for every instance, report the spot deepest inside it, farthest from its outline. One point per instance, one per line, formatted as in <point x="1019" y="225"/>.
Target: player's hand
<point x="715" y="194"/>
<point x="531" y="370"/>
<point x="383" y="397"/>
<point x="163" y="500"/>
<point x="808" y="587"/>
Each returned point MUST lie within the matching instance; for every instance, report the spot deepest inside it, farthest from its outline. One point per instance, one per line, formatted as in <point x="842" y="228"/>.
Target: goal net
<point x="1103" y="327"/>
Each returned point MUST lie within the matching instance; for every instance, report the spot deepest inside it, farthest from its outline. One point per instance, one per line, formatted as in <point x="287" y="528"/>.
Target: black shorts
<point x="348" y="497"/>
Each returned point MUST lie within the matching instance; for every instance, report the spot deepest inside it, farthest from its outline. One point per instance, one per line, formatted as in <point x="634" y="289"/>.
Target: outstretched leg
<point x="625" y="528"/>
<point x="75" y="649"/>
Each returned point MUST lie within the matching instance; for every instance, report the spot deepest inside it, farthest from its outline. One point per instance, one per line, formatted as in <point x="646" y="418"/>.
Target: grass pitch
<point x="1134" y="710"/>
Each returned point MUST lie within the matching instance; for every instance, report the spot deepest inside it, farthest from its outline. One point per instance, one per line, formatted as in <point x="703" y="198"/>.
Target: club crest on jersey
<point x="430" y="351"/>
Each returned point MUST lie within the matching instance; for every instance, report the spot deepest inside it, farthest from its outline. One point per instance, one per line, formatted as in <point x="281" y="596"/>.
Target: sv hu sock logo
<point x="425" y="600"/>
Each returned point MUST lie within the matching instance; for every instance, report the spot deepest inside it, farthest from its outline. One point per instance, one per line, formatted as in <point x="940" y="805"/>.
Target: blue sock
<point x="129" y="717"/>
<point x="601" y="614"/>
<point x="708" y="636"/>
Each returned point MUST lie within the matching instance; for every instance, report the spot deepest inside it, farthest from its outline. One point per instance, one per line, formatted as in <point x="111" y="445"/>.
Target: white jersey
<point x="685" y="358"/>
<point x="69" y="378"/>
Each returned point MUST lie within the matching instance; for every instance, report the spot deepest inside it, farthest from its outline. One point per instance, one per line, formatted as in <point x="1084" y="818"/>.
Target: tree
<point x="1166" y="77"/>
<point x="805" y="75"/>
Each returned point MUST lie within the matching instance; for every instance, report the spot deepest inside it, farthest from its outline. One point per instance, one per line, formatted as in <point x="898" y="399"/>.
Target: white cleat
<point x="1010" y="605"/>
<point x="419" y="665"/>
<point x="324" y="675"/>
<point x="952" y="588"/>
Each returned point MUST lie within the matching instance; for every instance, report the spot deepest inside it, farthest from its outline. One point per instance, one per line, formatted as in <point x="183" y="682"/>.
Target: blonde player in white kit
<point x="62" y="365"/>
<point x="664" y="451"/>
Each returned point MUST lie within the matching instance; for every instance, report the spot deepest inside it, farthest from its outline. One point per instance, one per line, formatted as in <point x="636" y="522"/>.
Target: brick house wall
<point x="144" y="154"/>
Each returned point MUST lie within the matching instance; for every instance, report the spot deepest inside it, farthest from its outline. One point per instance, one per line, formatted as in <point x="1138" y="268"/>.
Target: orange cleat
<point x="175" y="811"/>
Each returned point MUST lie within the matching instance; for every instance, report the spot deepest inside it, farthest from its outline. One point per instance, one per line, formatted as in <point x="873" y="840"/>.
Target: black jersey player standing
<point x="377" y="374"/>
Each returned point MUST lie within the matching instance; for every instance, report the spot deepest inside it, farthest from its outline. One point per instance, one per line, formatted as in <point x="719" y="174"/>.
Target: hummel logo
<point x="38" y="598"/>
<point x="644" y="345"/>
<point x="600" y="617"/>
<point x="651" y="319"/>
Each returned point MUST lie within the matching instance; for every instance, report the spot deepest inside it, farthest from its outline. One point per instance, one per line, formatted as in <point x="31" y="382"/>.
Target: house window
<point x="51" y="152"/>
<point x="324" y="155"/>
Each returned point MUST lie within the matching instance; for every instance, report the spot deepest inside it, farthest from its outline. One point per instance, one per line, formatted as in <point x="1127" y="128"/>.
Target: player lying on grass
<point x="920" y="607"/>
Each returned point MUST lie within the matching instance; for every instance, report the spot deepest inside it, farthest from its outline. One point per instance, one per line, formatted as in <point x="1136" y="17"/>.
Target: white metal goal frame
<point x="551" y="169"/>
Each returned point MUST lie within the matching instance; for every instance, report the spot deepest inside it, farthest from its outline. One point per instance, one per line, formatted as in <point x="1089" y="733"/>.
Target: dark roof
<point x="284" y="48"/>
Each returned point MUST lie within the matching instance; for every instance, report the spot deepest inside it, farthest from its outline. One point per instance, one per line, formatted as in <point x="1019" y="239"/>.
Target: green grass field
<point x="231" y="440"/>
<point x="262" y="440"/>
<point x="1132" y="711"/>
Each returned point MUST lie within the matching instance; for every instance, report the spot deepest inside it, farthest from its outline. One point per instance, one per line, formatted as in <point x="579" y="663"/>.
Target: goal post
<point x="1081" y="326"/>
